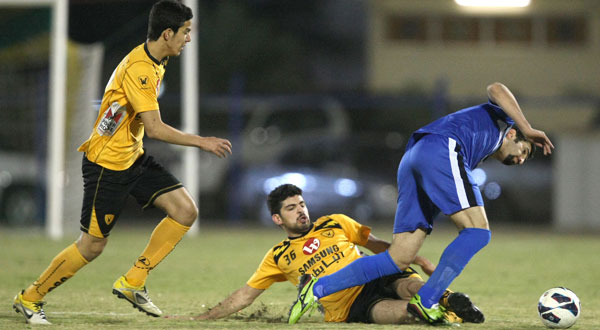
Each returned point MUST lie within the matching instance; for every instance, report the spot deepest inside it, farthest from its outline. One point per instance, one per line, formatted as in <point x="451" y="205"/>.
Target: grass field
<point x="505" y="279"/>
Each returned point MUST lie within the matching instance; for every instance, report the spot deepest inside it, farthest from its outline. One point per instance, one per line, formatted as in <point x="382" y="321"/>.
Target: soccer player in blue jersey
<point x="435" y="176"/>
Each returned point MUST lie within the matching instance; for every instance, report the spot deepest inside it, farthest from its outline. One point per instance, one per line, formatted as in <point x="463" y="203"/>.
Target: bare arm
<point x="502" y="96"/>
<point x="155" y="128"/>
<point x="376" y="245"/>
<point x="237" y="301"/>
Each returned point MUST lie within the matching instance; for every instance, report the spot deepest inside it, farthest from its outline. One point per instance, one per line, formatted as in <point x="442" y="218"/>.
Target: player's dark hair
<point x="167" y="14"/>
<point x="279" y="194"/>
<point x="520" y="137"/>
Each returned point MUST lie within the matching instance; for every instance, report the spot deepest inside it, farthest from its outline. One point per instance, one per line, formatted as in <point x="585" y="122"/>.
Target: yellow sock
<point x="163" y="240"/>
<point x="62" y="267"/>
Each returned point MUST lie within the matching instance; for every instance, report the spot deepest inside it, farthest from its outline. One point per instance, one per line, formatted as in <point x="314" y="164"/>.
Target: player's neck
<point x="156" y="49"/>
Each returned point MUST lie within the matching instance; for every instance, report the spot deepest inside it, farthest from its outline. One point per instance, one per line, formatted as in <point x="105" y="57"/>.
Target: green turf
<point x="505" y="279"/>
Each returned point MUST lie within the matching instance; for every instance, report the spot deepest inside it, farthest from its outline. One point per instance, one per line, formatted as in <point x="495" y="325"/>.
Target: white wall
<point x="577" y="182"/>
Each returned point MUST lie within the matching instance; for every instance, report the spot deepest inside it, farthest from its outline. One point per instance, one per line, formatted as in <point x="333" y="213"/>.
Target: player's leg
<point x="449" y="184"/>
<point x="178" y="205"/>
<point x="102" y="202"/>
<point x="473" y="236"/>
<point x="156" y="188"/>
<point x="391" y="311"/>
<point x="408" y="285"/>
<point x="61" y="268"/>
<point x="181" y="213"/>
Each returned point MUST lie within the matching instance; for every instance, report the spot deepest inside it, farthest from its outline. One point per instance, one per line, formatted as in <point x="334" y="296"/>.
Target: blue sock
<point x="360" y="271"/>
<point x="454" y="259"/>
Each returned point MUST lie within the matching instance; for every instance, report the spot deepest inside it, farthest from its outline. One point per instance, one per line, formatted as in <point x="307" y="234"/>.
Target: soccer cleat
<point x="306" y="300"/>
<point x="452" y="318"/>
<point x="432" y="315"/>
<point x="464" y="308"/>
<point x="137" y="296"/>
<point x="31" y="310"/>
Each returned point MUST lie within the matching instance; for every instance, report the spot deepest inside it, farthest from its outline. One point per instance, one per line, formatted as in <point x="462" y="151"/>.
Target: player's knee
<point x="90" y="249"/>
<point x="478" y="237"/>
<point x="187" y="214"/>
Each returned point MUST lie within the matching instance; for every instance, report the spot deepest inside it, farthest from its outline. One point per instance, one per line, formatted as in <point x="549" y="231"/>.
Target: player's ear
<point x="511" y="134"/>
<point x="276" y="219"/>
<point x="167" y="34"/>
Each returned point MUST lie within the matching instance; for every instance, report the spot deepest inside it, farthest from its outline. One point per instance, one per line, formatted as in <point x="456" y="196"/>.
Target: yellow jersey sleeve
<point x="267" y="273"/>
<point x="356" y="233"/>
<point x="141" y="85"/>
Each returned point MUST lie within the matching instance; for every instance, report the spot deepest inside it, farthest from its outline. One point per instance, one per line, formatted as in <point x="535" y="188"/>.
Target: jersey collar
<point x="150" y="55"/>
<point x="312" y="225"/>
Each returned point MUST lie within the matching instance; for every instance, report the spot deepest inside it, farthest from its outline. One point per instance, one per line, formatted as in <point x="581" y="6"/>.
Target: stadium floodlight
<point x="494" y="3"/>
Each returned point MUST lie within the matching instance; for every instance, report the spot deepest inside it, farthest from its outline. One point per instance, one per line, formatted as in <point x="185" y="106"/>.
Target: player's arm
<point x="376" y="245"/>
<point x="237" y="301"/>
<point x="155" y="128"/>
<point x="502" y="96"/>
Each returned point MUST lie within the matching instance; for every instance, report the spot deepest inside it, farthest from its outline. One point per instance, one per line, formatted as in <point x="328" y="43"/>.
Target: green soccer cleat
<point x="433" y="315"/>
<point x="137" y="296"/>
<point x="31" y="310"/>
<point x="306" y="300"/>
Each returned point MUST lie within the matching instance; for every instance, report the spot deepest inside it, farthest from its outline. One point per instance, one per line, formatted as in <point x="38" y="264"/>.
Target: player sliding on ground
<point x="116" y="166"/>
<point x="325" y="246"/>
<point x="435" y="175"/>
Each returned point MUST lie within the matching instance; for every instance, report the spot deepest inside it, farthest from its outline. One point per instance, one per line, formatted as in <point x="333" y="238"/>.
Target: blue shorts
<point x="432" y="177"/>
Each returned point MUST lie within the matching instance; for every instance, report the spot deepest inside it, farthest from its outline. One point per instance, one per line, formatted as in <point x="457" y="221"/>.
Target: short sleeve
<point x="356" y="232"/>
<point x="267" y="273"/>
<point x="140" y="85"/>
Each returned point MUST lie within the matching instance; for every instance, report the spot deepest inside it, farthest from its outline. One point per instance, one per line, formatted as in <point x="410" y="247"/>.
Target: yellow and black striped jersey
<point x="329" y="246"/>
<point x="116" y="140"/>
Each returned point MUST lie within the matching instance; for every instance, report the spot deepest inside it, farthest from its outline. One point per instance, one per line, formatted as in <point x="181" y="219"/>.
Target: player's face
<point x="294" y="216"/>
<point x="179" y="39"/>
<point x="513" y="152"/>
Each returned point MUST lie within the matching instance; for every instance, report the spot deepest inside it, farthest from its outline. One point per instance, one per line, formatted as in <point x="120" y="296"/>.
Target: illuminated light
<point x="345" y="187"/>
<point x="297" y="179"/>
<point x="492" y="190"/>
<point x="479" y="176"/>
<point x="270" y="184"/>
<point x="493" y="3"/>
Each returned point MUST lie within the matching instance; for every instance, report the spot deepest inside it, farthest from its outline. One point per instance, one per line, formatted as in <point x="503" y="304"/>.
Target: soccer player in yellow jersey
<point x="116" y="166"/>
<point x="322" y="248"/>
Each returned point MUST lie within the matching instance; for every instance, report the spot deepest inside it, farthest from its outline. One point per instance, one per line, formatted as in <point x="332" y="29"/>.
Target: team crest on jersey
<point x="111" y="119"/>
<point x="328" y="233"/>
<point x="144" y="83"/>
<point x="311" y="246"/>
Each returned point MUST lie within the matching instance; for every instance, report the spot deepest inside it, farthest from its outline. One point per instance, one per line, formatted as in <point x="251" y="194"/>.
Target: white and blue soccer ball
<point x="559" y="308"/>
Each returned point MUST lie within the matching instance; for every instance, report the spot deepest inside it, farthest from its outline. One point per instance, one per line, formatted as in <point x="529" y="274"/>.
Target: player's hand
<point x="427" y="266"/>
<point x="217" y="146"/>
<point x="540" y="139"/>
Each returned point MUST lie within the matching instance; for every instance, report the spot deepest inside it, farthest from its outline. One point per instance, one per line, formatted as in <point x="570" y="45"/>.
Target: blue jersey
<point x="479" y="130"/>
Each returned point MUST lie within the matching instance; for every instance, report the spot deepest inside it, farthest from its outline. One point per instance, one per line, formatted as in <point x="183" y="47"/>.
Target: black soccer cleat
<point x="463" y="307"/>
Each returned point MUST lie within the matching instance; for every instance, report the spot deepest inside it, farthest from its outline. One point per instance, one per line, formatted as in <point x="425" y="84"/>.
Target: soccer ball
<point x="559" y="308"/>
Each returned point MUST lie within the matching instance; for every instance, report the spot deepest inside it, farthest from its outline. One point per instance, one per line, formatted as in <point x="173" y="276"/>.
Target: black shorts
<point x="105" y="191"/>
<point x="374" y="292"/>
